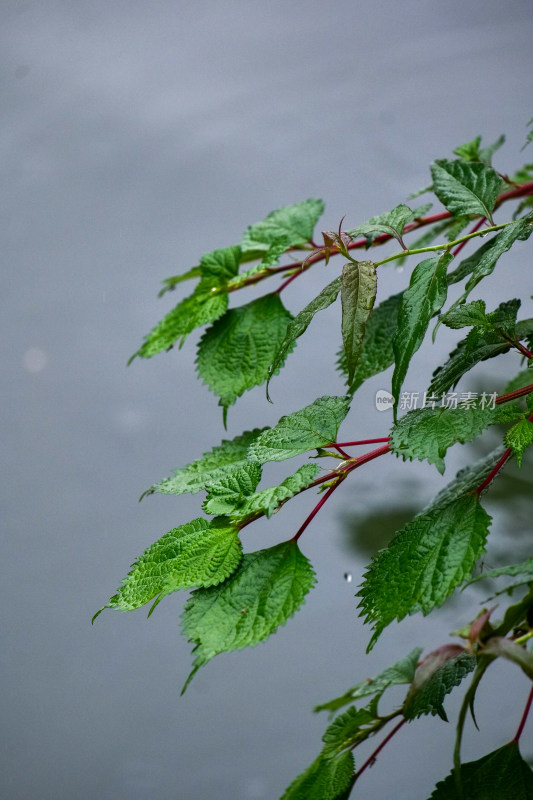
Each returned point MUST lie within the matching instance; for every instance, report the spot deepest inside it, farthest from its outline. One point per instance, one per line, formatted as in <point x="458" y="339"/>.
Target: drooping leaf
<point x="401" y="672"/>
<point x="267" y="588"/>
<point x="199" y="553"/>
<point x="235" y="354"/>
<point x="358" y="293"/>
<point x="500" y="775"/>
<point x="483" y="261"/>
<point x="466" y="187"/>
<point x="229" y="490"/>
<point x="210" y="467"/>
<point x="207" y="303"/>
<point x="519" y="437"/>
<point x="424" y="298"/>
<point x="324" y="779"/>
<point x="295" y="222"/>
<point x="301" y="321"/>
<point x="427" y="433"/>
<point x="427" y="695"/>
<point x="392" y="222"/>
<point x="203" y="306"/>
<point x="268" y="500"/>
<point x="424" y="562"/>
<point x="351" y="728"/>
<point x="314" y="426"/>
<point x="377" y="353"/>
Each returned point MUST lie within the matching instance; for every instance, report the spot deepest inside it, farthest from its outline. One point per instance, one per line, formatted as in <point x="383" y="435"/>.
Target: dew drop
<point x="348" y="577"/>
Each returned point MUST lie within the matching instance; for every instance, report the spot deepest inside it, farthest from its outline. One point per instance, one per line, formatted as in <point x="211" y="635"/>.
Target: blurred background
<point x="137" y="136"/>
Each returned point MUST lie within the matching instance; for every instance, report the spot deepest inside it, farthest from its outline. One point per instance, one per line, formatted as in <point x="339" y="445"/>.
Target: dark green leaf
<point x="471" y="151"/>
<point x="377" y="353"/>
<point x="229" y="491"/>
<point x="466" y="187"/>
<point x="295" y="222"/>
<point x="267" y="588"/>
<point x="424" y="298"/>
<point x="392" y="222"/>
<point x="351" y="728"/>
<point x="429" y="432"/>
<point x="501" y="775"/>
<point x="358" y="293"/>
<point x="436" y="680"/>
<point x="301" y="321"/>
<point x="210" y="467"/>
<point x="314" y="426"/>
<point x="199" y="553"/>
<point x="468" y="315"/>
<point x="235" y="354"/>
<point x="482" y="262"/>
<point x="401" y="672"/>
<point x="324" y="779"/>
<point x="205" y="305"/>
<point x="466" y="480"/>
<point x="525" y="568"/>
<point x="519" y="437"/>
<point x="424" y="563"/>
<point x="268" y="500"/>
<point x="220" y="266"/>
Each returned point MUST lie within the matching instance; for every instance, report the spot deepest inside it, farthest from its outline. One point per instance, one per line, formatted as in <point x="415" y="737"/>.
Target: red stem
<point x="369" y="762"/>
<point x="523" y="721"/>
<point x="362" y="441"/>
<point x="505" y="398"/>
<point x="492" y="474"/>
<point x="317" y="508"/>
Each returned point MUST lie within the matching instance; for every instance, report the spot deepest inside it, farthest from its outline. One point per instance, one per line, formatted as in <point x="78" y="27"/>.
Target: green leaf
<point x="482" y="262"/>
<point x="267" y="588"/>
<point x="235" y="354"/>
<point x="392" y="222"/>
<point x="466" y="480"/>
<point x="467" y="315"/>
<point x="210" y="467"/>
<point x="301" y="321"/>
<point x="199" y="553"/>
<point x="295" y="222"/>
<point x="519" y="437"/>
<point x="351" y="728"/>
<point x="358" y="293"/>
<point x="424" y="298"/>
<point x="481" y="343"/>
<point x="525" y="568"/>
<point x="427" y="433"/>
<point x="324" y="779"/>
<point x="437" y="679"/>
<point x="501" y="647"/>
<point x="268" y="500"/>
<point x="401" y="672"/>
<point x="466" y="188"/>
<point x="520" y="381"/>
<point x="500" y="775"/>
<point x="424" y="563"/>
<point x="229" y="491"/>
<point x="471" y="151"/>
<point x="170" y="283"/>
<point x="314" y="426"/>
<point x="377" y="353"/>
<point x="205" y="305"/>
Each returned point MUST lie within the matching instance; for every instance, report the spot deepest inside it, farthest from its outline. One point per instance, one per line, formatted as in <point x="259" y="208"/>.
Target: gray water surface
<point x="135" y="137"/>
